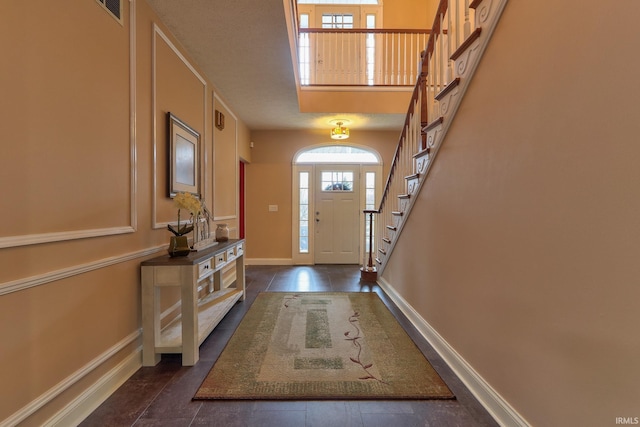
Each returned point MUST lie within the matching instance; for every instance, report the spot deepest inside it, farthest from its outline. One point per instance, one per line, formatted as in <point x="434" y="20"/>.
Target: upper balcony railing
<point x="360" y="57"/>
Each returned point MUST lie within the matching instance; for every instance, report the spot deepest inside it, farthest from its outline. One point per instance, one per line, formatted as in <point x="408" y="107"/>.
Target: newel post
<point x="368" y="272"/>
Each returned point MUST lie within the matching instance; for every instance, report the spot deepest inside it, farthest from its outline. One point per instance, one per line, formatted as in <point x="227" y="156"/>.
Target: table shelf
<point x="211" y="310"/>
<point x="198" y="315"/>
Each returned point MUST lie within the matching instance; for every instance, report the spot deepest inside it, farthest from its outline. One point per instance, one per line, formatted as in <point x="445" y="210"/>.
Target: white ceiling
<point x="242" y="46"/>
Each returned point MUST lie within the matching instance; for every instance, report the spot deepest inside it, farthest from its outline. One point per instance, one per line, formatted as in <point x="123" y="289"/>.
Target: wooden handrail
<point x="396" y="154"/>
<point x="363" y="31"/>
<point x="435" y="28"/>
<point x="433" y="33"/>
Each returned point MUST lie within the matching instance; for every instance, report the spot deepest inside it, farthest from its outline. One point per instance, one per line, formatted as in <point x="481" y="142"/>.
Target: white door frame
<point x="308" y="258"/>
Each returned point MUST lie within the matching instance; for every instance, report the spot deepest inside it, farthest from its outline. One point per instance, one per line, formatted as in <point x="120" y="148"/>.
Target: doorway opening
<point x="332" y="185"/>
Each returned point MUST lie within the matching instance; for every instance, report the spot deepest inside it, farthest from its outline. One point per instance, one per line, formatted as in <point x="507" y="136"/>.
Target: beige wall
<point x="412" y="14"/>
<point x="356" y="101"/>
<point x="244" y="143"/>
<point x="269" y="182"/>
<point x="527" y="230"/>
<point x="85" y="196"/>
<point x="405" y="14"/>
<point x="225" y="160"/>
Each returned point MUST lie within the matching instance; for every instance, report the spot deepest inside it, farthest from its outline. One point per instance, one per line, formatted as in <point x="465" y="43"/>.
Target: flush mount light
<point x="339" y="131"/>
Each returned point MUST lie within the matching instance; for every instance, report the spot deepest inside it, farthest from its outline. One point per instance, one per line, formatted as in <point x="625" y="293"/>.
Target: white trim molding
<point x="495" y="404"/>
<point x="218" y="99"/>
<point x="268" y="261"/>
<point x="52" y="276"/>
<point x="39" y="238"/>
<point x="93" y="396"/>
<point x="81" y="407"/>
<point x="133" y="107"/>
<point x="34" y="239"/>
<point x="155" y="33"/>
<point x="367" y="89"/>
<point x="222" y="218"/>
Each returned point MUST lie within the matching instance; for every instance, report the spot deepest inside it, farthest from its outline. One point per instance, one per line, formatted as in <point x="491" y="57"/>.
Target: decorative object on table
<point x="222" y="233"/>
<point x="321" y="345"/>
<point x="179" y="244"/>
<point x="204" y="238"/>
<point x="184" y="163"/>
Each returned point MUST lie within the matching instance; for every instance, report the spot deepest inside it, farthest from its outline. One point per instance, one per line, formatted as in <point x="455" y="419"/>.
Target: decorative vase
<point x="222" y="233"/>
<point x="196" y="230"/>
<point x="179" y="246"/>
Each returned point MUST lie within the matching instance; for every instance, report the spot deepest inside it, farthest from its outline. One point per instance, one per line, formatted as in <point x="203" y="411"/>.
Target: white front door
<point x="337" y="214"/>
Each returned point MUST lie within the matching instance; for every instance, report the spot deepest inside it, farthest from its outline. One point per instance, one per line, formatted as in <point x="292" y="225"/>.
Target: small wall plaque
<point x="219" y="120"/>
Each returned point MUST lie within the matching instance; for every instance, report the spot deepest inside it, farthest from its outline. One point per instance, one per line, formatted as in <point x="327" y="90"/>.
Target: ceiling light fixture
<point x="339" y="131"/>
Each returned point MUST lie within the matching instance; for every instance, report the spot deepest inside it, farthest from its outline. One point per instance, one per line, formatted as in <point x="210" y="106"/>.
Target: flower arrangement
<point x="188" y="202"/>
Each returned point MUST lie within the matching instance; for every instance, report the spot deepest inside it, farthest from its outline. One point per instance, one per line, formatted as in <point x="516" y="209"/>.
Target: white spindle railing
<point x="390" y="57"/>
<point x="452" y="26"/>
<point x="371" y="57"/>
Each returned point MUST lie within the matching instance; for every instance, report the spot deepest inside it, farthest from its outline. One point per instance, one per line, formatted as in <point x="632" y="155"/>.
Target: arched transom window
<point x="337" y="154"/>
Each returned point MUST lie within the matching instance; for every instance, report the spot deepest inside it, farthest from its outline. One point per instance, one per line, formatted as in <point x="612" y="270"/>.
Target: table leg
<point x="190" y="334"/>
<point x="150" y="318"/>
<point x="240" y="281"/>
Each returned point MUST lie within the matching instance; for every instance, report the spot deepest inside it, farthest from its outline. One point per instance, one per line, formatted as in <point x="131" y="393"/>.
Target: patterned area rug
<point x="321" y="346"/>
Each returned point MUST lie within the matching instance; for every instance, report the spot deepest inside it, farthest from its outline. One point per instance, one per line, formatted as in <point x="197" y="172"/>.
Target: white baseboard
<point x="83" y="405"/>
<point x="495" y="404"/>
<point x="268" y="261"/>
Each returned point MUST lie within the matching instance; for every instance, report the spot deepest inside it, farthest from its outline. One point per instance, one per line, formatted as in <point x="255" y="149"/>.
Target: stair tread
<point x="448" y="88"/>
<point x="465" y="45"/>
<point x="422" y="152"/>
<point x="433" y="124"/>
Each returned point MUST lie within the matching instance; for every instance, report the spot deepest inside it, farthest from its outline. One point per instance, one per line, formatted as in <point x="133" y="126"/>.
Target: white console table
<point x="198" y="315"/>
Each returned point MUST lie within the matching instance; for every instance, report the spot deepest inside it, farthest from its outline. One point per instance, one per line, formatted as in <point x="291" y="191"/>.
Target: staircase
<point x="448" y="64"/>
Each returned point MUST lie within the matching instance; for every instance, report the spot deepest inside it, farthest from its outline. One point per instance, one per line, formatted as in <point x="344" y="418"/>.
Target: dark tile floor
<point x="161" y="395"/>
